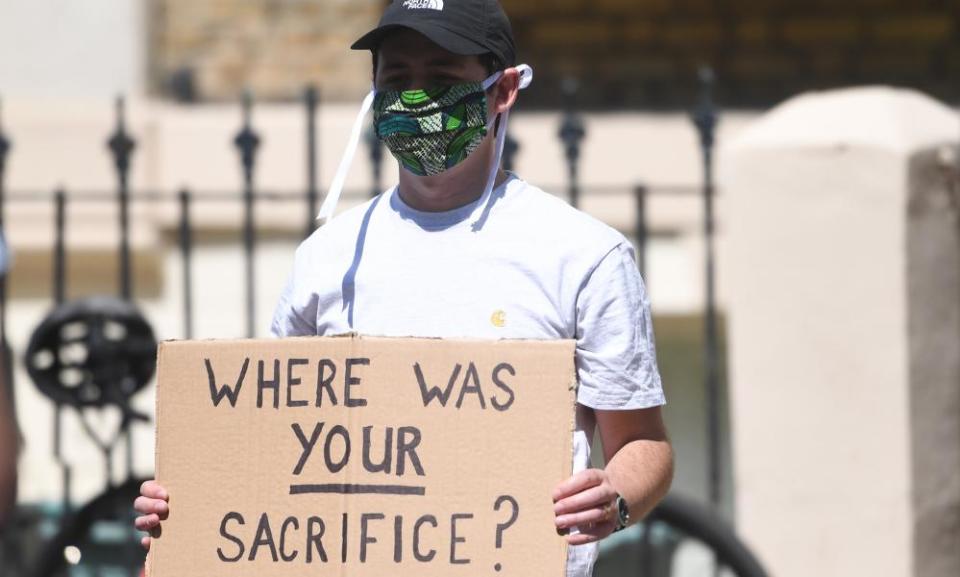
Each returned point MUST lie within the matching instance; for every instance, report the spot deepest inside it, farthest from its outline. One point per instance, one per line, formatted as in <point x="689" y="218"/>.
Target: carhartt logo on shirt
<point x="418" y="4"/>
<point x="498" y="319"/>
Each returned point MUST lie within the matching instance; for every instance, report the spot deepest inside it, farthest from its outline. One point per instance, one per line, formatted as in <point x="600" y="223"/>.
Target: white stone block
<point x="844" y="316"/>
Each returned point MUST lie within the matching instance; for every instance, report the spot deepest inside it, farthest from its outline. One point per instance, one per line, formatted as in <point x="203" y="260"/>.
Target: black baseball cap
<point x="464" y="27"/>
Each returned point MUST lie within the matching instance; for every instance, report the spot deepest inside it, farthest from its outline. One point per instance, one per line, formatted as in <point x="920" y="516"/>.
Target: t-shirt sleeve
<point x="296" y="311"/>
<point x="616" y="354"/>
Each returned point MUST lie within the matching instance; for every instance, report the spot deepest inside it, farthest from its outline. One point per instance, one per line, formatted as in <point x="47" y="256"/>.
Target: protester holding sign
<point x="362" y="456"/>
<point x="461" y="248"/>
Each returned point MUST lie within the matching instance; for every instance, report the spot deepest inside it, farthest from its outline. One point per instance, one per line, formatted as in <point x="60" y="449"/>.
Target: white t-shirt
<point x="533" y="268"/>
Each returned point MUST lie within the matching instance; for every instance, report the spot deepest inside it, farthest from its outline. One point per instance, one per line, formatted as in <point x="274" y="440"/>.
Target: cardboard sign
<point x="362" y="457"/>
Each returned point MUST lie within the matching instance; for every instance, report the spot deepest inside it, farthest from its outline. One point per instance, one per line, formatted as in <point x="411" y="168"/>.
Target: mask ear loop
<point x="526" y="78"/>
<point x="329" y="205"/>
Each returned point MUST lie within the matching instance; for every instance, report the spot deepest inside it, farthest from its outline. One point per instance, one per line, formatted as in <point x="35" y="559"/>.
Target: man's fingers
<point x="146" y="522"/>
<point x="594" y="516"/>
<point x="143" y="505"/>
<point x="152" y="503"/>
<point x="593" y="497"/>
<point x="578" y="482"/>
<point x="147" y="505"/>
<point x="589" y="534"/>
<point x="152" y="490"/>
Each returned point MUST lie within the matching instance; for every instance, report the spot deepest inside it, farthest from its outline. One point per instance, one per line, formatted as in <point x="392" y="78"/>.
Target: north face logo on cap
<point x="431" y="4"/>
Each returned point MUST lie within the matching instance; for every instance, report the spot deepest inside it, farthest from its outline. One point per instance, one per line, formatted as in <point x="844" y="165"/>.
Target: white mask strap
<point x="526" y="78"/>
<point x="336" y="187"/>
<point x="491" y="80"/>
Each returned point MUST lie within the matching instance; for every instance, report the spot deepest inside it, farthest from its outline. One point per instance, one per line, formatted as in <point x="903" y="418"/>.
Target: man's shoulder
<point x="554" y="218"/>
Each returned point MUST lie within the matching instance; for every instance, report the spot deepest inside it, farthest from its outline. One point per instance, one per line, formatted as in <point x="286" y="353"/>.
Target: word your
<point x="338" y="448"/>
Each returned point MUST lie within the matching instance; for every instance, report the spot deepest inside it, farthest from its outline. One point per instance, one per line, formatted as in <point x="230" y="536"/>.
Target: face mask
<point x="446" y="121"/>
<point x="430" y="131"/>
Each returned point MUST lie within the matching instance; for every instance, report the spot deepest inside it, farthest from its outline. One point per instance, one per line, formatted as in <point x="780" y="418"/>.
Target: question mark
<point x="501" y="527"/>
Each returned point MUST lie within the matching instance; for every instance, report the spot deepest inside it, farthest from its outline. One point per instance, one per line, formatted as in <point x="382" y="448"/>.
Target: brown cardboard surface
<point x="465" y="488"/>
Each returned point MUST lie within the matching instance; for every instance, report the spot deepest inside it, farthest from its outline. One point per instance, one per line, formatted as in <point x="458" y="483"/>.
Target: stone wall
<point x="627" y="53"/>
<point x="644" y="53"/>
<point x="214" y="49"/>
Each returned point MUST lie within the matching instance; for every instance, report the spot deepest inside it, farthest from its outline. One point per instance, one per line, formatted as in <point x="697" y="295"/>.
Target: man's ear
<point x="507" y="89"/>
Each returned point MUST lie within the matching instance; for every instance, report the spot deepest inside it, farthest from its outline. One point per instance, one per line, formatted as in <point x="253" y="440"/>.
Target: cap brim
<point x="442" y="37"/>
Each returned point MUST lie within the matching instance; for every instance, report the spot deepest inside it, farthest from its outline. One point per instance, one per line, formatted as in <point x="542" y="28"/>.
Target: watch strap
<point x="623" y="514"/>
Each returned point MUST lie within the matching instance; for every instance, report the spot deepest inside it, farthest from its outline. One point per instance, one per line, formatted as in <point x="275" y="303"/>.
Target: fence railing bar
<point x="60" y="257"/>
<point x="186" y="247"/>
<point x="312" y="101"/>
<point x="572" y="132"/>
<point x="283" y="196"/>
<point x="59" y="297"/>
<point x="121" y="147"/>
<point x="247" y="141"/>
<point x="641" y="231"/>
<point x="164" y="196"/>
<point x="705" y="121"/>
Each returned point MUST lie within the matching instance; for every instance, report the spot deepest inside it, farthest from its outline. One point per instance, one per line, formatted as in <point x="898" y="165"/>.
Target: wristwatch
<point x="623" y="514"/>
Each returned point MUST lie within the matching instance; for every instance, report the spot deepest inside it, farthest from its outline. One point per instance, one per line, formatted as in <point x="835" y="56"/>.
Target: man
<point x="462" y="249"/>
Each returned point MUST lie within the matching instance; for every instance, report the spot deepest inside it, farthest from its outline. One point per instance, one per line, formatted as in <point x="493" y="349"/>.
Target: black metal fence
<point x="122" y="147"/>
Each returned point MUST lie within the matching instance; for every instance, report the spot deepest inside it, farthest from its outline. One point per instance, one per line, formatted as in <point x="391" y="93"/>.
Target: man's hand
<point x="585" y="501"/>
<point x="153" y="508"/>
<point x="639" y="468"/>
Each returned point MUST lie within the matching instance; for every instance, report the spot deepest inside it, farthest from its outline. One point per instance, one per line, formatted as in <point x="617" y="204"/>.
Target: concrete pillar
<point x="842" y="270"/>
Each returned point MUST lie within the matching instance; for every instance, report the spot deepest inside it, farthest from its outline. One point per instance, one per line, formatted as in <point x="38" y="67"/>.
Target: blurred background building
<point x="606" y="124"/>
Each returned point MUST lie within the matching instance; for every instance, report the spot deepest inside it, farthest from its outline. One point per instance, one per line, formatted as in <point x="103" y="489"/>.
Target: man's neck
<point x="452" y="189"/>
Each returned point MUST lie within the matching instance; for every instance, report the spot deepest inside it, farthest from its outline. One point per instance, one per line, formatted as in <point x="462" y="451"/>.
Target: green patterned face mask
<point x="430" y="131"/>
